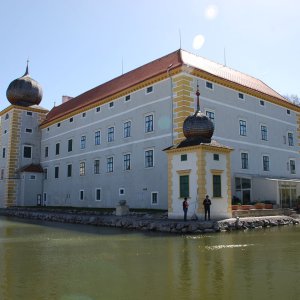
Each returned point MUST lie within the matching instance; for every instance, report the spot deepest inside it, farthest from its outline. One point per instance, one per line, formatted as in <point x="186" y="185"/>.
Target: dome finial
<point x="27" y="70"/>
<point x="198" y="101"/>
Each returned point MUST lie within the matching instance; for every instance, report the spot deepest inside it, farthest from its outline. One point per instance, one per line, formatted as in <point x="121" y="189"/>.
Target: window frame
<point x="57" y="149"/>
<point x="126" y="161"/>
<point x="96" y="194"/>
<point x="56" y="172"/>
<point x="184" y="187"/>
<point x="149" y="163"/>
<point x="154" y="193"/>
<point x="242" y="127"/>
<point x="290" y="138"/>
<point x="82" y="142"/>
<point x="97" y="137"/>
<point x="69" y="170"/>
<point x="96" y="166"/>
<point x="264" y="132"/>
<point x="28" y="147"/>
<point x="217" y="186"/>
<point x="127" y="129"/>
<point x="81" y="195"/>
<point x="82" y="168"/>
<point x="209" y="85"/>
<point x="110" y="164"/>
<point x="111" y="134"/>
<point x="266" y="162"/>
<point x="70" y="145"/>
<point x="149" y="122"/>
<point x="245" y="160"/>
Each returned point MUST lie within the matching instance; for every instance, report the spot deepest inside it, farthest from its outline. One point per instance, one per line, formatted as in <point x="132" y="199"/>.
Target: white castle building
<point x="107" y="144"/>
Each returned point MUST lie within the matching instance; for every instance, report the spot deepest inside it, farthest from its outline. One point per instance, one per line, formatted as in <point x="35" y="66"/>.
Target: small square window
<point x="241" y="96"/>
<point x="288" y="111"/>
<point x="58" y="124"/>
<point x="29" y="113"/>
<point x="262" y="103"/>
<point x="71" y="120"/>
<point x="121" y="191"/>
<point x="209" y="85"/>
<point x="127" y="98"/>
<point x="216" y="157"/>
<point x="111" y="104"/>
<point x="28" y="130"/>
<point x="149" y="89"/>
<point x="183" y="157"/>
<point x="5" y="131"/>
<point x="84" y="115"/>
<point x="98" y="109"/>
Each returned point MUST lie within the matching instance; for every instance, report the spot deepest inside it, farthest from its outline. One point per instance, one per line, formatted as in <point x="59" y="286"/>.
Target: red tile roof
<point x="32" y="169"/>
<point x="157" y="67"/>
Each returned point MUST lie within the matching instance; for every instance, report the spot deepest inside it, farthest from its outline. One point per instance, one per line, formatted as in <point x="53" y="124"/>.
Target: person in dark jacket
<point x="207" y="204"/>
<point x="185" y="206"/>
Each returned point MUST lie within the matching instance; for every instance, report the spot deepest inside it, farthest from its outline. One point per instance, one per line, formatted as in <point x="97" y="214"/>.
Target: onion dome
<point x="198" y="126"/>
<point x="24" y="91"/>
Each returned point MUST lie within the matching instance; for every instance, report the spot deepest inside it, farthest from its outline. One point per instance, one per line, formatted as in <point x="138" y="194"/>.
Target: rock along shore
<point x="147" y="221"/>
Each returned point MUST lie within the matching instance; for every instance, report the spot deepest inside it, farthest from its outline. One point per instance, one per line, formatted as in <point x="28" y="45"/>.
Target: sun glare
<point x="198" y="41"/>
<point x="211" y="12"/>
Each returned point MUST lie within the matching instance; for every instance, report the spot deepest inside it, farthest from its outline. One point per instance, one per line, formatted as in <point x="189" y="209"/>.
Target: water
<point x="69" y="262"/>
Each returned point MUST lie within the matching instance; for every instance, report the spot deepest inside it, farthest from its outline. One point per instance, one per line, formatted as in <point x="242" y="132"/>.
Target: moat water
<point x="41" y="260"/>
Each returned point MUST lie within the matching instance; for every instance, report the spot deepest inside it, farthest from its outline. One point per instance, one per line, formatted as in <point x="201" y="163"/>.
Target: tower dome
<point x="198" y="126"/>
<point x="24" y="91"/>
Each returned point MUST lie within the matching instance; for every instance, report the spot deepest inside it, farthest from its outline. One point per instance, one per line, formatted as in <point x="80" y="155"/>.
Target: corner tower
<point x="199" y="166"/>
<point x="20" y="138"/>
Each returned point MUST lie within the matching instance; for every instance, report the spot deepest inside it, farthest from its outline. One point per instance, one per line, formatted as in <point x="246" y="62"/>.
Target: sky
<point x="75" y="45"/>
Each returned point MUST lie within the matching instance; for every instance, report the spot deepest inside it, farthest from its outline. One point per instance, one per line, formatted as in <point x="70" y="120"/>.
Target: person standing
<point x="207" y="204"/>
<point x="185" y="206"/>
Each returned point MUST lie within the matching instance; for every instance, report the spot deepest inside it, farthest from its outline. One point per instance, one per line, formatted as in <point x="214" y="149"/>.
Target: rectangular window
<point x="184" y="186"/>
<point x="292" y="166"/>
<point x="244" y="158"/>
<point x="28" y="130"/>
<point x="98" y="194"/>
<point x="290" y="139"/>
<point x="266" y="163"/>
<point x="46" y="151"/>
<point x="216" y="157"/>
<point x="243" y="128"/>
<point x="149" y="158"/>
<point x="183" y="157"/>
<point x="148" y="123"/>
<point x="84" y="115"/>
<point x="154" y="198"/>
<point x="82" y="168"/>
<point x="69" y="170"/>
<point x="127" y="129"/>
<point x="57" y="148"/>
<point x="56" y="172"/>
<point x="264" y="132"/>
<point x="71" y="120"/>
<point x="2" y="174"/>
<point x="288" y="111"/>
<point x="58" y="125"/>
<point x="121" y="191"/>
<point x="27" y="151"/>
<point x="217" y="186"/>
<point x="209" y="85"/>
<point x="83" y="142"/>
<point x="126" y="162"/>
<point x="127" y="98"/>
<point x="149" y="89"/>
<point x="111" y="134"/>
<point x="262" y="103"/>
<point x="45" y="173"/>
<point x="110" y="164"/>
<point x="3" y="152"/>
<point x="96" y="166"/>
<point x="70" y="145"/>
<point x="211" y="116"/>
<point x="97" y="137"/>
<point x="241" y="96"/>
<point x="29" y="113"/>
<point x="81" y="195"/>
<point x="32" y="177"/>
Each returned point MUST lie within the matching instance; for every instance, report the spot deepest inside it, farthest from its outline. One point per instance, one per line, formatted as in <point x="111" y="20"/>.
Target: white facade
<point x="111" y="149"/>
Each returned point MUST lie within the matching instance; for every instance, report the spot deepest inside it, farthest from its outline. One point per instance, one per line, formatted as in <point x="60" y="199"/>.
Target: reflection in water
<point x="63" y="261"/>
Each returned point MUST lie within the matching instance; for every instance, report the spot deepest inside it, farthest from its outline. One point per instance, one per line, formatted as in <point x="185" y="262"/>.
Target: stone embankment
<point x="148" y="221"/>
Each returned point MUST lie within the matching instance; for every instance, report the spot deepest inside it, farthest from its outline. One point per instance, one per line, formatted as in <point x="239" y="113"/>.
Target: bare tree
<point x="293" y="98"/>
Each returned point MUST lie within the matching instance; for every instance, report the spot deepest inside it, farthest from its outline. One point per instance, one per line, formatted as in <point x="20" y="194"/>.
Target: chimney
<point x="66" y="98"/>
